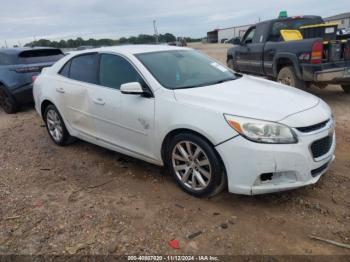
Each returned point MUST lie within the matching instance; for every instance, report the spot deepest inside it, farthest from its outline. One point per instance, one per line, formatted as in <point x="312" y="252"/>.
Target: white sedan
<point x="176" y="107"/>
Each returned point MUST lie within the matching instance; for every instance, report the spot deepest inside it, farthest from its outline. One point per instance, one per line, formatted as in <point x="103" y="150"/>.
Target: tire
<point x="7" y="103"/>
<point x="346" y="88"/>
<point x="199" y="170"/>
<point x="55" y="127"/>
<point x="230" y="63"/>
<point x="288" y="77"/>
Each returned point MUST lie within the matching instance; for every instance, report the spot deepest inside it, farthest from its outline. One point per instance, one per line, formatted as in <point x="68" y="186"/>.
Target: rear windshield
<point x="40" y="56"/>
<point x="291" y="24"/>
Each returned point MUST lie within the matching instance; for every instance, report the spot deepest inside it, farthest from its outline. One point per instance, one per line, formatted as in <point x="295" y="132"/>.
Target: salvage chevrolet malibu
<point x="176" y="107"/>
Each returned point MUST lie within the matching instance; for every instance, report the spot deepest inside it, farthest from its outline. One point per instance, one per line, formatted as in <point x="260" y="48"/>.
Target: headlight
<point x="262" y="131"/>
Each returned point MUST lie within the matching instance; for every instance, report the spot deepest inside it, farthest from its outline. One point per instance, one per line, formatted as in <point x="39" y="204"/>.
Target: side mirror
<point x="237" y="41"/>
<point x="133" y="88"/>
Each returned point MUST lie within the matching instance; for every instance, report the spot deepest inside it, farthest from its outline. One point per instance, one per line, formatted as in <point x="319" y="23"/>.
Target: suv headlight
<point x="262" y="131"/>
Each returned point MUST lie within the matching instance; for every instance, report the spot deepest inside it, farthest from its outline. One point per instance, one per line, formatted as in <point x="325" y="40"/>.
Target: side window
<point x="259" y="33"/>
<point x="65" y="69"/>
<point x="115" y="71"/>
<point x="6" y="59"/>
<point x="275" y="35"/>
<point x="248" y="38"/>
<point x="84" y="68"/>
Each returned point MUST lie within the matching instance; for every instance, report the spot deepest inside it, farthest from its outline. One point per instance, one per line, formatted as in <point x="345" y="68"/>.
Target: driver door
<point x="244" y="55"/>
<point x="122" y="120"/>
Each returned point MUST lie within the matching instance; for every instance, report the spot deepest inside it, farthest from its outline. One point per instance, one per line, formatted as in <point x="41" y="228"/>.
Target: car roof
<point x="290" y="18"/>
<point x="17" y="50"/>
<point x="135" y="49"/>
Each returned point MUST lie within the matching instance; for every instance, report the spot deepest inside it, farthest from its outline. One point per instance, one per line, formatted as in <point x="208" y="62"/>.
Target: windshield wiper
<point x="208" y="84"/>
<point x="222" y="81"/>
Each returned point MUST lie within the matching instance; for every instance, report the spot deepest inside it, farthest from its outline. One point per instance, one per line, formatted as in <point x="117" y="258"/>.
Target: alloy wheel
<point x="191" y="165"/>
<point x="54" y="125"/>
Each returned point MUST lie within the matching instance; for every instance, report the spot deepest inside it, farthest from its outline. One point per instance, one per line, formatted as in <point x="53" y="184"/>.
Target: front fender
<point x="231" y="53"/>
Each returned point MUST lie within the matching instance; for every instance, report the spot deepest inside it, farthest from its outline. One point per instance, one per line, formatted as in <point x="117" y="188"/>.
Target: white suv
<point x="176" y="107"/>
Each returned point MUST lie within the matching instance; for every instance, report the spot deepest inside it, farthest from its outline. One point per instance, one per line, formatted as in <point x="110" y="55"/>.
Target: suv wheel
<point x="288" y="77"/>
<point x="195" y="165"/>
<point x="346" y="88"/>
<point x="56" y="127"/>
<point x="7" y="103"/>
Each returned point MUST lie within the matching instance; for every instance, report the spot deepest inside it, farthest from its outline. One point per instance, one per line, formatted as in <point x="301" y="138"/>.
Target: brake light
<point x="317" y="53"/>
<point x="34" y="78"/>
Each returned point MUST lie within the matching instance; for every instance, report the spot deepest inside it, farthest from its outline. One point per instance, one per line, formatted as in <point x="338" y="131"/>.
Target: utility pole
<point x="6" y="44"/>
<point x="155" y="31"/>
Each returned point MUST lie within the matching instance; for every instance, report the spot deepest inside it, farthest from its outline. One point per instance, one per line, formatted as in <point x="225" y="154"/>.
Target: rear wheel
<point x="195" y="165"/>
<point x="7" y="102"/>
<point x="56" y="127"/>
<point x="346" y="88"/>
<point x="288" y="77"/>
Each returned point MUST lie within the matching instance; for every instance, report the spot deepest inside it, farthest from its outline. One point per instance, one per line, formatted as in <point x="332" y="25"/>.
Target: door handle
<point x="60" y="90"/>
<point x="99" y="101"/>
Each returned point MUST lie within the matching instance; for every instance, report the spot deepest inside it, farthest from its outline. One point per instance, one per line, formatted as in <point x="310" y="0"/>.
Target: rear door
<point x="78" y="75"/>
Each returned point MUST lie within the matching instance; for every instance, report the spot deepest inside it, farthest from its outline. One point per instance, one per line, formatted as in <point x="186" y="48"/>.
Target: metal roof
<point x="134" y="49"/>
<point x="337" y="17"/>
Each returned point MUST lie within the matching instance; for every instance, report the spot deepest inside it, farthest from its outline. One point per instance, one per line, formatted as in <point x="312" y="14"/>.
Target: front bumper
<point x="289" y="165"/>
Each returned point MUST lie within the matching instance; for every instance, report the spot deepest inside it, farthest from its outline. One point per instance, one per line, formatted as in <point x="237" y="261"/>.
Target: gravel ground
<point x="83" y="199"/>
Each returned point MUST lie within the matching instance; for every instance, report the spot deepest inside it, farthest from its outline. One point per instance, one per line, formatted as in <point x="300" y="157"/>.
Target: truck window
<point x="249" y="36"/>
<point x="290" y="24"/>
<point x="260" y="32"/>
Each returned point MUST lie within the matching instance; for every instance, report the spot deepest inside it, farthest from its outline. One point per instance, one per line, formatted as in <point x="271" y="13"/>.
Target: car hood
<point x="250" y="97"/>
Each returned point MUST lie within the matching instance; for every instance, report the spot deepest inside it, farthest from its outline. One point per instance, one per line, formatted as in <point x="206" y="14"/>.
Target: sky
<point x="22" y="21"/>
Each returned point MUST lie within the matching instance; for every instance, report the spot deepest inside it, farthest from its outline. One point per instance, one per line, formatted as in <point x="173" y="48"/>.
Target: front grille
<point x="317" y="171"/>
<point x="308" y="129"/>
<point x="322" y="146"/>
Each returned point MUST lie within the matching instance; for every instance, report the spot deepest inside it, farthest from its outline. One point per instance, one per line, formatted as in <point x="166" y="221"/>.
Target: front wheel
<point x="346" y="88"/>
<point x="230" y="63"/>
<point x="288" y="77"/>
<point x="195" y="165"/>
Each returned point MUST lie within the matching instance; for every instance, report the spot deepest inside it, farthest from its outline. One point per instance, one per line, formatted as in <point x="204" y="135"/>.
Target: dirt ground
<point x="83" y="199"/>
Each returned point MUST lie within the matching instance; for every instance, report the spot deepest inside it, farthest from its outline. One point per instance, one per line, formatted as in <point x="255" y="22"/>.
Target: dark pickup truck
<point x="298" y="63"/>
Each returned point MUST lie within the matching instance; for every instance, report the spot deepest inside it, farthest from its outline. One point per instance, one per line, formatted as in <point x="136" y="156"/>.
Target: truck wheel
<point x="288" y="77"/>
<point x="346" y="88"/>
<point x="7" y="103"/>
<point x="230" y="63"/>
